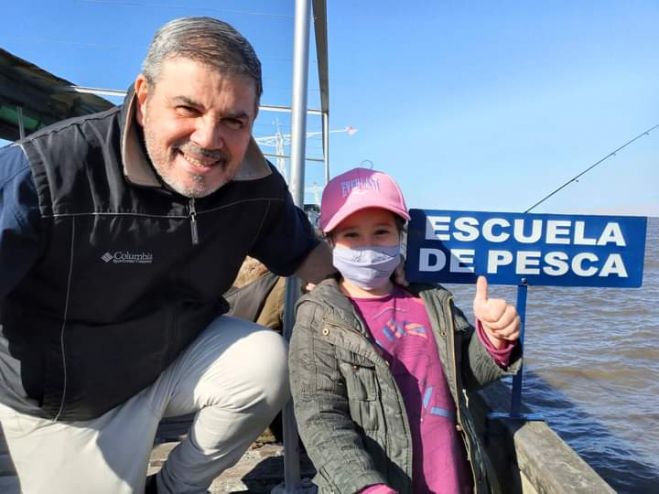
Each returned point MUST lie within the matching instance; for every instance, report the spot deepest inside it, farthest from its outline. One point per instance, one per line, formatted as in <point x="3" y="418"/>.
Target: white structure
<point x="280" y="140"/>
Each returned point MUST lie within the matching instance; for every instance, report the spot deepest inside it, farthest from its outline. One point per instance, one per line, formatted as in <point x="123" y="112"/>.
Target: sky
<point x="477" y="105"/>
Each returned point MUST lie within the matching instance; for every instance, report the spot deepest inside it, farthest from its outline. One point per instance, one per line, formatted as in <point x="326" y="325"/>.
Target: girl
<point x="378" y="370"/>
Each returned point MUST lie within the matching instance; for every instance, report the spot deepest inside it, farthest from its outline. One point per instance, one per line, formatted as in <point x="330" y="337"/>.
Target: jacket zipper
<point x="459" y="391"/>
<point x="454" y="365"/>
<point x="193" y="223"/>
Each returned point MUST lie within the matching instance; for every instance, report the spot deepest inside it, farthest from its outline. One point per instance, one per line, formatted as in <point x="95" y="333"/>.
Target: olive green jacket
<point x="350" y="412"/>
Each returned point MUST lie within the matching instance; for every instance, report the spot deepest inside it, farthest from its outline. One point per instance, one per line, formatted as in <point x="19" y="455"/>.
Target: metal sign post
<point x="516" y="397"/>
<point x="516" y="394"/>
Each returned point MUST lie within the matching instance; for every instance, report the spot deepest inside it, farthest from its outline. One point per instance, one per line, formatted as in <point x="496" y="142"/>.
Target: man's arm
<point x="317" y="265"/>
<point x="19" y="219"/>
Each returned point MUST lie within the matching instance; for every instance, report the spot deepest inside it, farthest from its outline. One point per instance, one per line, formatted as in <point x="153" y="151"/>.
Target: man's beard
<point x="196" y="186"/>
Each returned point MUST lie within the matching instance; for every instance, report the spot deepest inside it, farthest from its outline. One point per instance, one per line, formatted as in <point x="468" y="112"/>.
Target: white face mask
<point x="368" y="268"/>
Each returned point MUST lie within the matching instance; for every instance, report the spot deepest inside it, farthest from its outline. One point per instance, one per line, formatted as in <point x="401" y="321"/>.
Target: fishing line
<point x="574" y="179"/>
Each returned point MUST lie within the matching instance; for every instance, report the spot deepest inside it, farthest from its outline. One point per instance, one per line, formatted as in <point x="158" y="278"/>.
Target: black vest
<point x="120" y="290"/>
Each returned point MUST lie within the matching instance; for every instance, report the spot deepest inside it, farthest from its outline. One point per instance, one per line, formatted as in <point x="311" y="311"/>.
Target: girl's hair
<point x="401" y="226"/>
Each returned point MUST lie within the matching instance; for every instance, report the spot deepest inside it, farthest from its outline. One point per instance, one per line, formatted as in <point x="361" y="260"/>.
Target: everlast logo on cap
<point x="359" y="183"/>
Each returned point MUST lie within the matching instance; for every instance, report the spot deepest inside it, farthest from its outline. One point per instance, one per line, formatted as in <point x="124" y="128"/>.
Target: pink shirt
<point x="399" y="325"/>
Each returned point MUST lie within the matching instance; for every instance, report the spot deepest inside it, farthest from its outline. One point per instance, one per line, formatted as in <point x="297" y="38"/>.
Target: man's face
<point x="197" y="124"/>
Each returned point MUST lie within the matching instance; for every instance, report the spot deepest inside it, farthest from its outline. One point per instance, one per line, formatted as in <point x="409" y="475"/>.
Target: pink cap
<point x="357" y="189"/>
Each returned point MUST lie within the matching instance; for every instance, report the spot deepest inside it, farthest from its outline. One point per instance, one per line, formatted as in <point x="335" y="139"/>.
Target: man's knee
<point x="266" y="366"/>
<point x="251" y="371"/>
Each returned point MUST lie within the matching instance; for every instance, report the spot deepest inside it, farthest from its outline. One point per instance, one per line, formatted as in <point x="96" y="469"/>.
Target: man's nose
<point x="207" y="134"/>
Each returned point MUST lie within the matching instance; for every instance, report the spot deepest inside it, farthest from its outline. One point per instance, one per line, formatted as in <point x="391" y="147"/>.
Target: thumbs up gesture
<point x="498" y="318"/>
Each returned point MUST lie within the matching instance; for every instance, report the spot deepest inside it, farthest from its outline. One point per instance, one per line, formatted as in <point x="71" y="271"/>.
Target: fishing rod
<point x="574" y="179"/>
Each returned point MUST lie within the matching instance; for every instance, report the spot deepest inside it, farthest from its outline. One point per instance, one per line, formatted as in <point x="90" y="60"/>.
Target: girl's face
<point x="368" y="227"/>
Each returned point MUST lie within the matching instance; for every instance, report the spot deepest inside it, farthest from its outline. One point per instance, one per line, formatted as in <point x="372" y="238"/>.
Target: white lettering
<point x="579" y="234"/>
<point x="467" y="230"/>
<point x="518" y="231"/>
<point x="535" y="234"/>
<point x="577" y="264"/>
<point x="462" y="261"/>
<point x="431" y="260"/>
<point x="557" y="229"/>
<point x="614" y="265"/>
<point x="556" y="264"/>
<point x="613" y="234"/>
<point x="496" y="258"/>
<point x="435" y="225"/>
<point x="121" y="257"/>
<point x="488" y="227"/>
<point x="527" y="262"/>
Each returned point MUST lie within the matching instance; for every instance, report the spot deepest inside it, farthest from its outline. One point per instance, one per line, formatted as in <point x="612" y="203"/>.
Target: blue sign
<point x="518" y="248"/>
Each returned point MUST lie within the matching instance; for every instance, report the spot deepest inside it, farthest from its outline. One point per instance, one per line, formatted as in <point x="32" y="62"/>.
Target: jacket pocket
<point x="362" y="387"/>
<point x="359" y="375"/>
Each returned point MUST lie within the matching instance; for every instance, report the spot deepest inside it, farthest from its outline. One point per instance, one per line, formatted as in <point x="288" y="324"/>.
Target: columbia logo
<point x="124" y="257"/>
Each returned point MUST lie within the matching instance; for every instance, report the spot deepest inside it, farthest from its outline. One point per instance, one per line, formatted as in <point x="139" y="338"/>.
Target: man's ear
<point x="142" y="94"/>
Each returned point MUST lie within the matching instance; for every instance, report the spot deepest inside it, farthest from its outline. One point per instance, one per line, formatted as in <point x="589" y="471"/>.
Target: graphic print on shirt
<point x="411" y="359"/>
<point x="400" y="327"/>
<point x="392" y="329"/>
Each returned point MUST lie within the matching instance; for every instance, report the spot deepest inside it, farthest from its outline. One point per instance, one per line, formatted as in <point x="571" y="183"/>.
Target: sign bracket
<point x="516" y="395"/>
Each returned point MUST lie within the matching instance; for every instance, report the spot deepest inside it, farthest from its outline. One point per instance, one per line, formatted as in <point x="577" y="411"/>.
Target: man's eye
<point x="186" y="110"/>
<point x="234" y="123"/>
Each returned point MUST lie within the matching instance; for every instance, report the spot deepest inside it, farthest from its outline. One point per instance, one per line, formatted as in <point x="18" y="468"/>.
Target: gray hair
<point x="206" y="40"/>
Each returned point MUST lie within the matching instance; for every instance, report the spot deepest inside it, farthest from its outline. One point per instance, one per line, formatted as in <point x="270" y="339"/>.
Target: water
<point x="592" y="370"/>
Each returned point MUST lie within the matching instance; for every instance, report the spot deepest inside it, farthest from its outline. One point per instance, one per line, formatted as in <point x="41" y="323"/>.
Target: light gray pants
<point x="235" y="375"/>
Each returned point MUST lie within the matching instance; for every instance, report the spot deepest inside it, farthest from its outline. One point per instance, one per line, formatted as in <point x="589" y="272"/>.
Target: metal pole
<point x="320" y="30"/>
<point x="299" y="103"/>
<point x="516" y="397"/>
<point x="21" y="123"/>
<point x="289" y="426"/>
<point x="326" y="132"/>
<point x="296" y="185"/>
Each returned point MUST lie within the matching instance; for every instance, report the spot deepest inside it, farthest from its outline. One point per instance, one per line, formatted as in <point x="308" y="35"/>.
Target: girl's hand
<point x="498" y="318"/>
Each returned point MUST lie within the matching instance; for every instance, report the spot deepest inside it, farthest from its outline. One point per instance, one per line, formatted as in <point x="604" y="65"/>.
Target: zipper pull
<point x="193" y="223"/>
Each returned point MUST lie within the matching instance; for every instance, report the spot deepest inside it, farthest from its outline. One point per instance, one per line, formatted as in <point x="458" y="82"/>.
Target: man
<point x="118" y="233"/>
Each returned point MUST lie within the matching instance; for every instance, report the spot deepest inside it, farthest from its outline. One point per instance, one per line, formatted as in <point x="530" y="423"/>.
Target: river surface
<point x="592" y="370"/>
